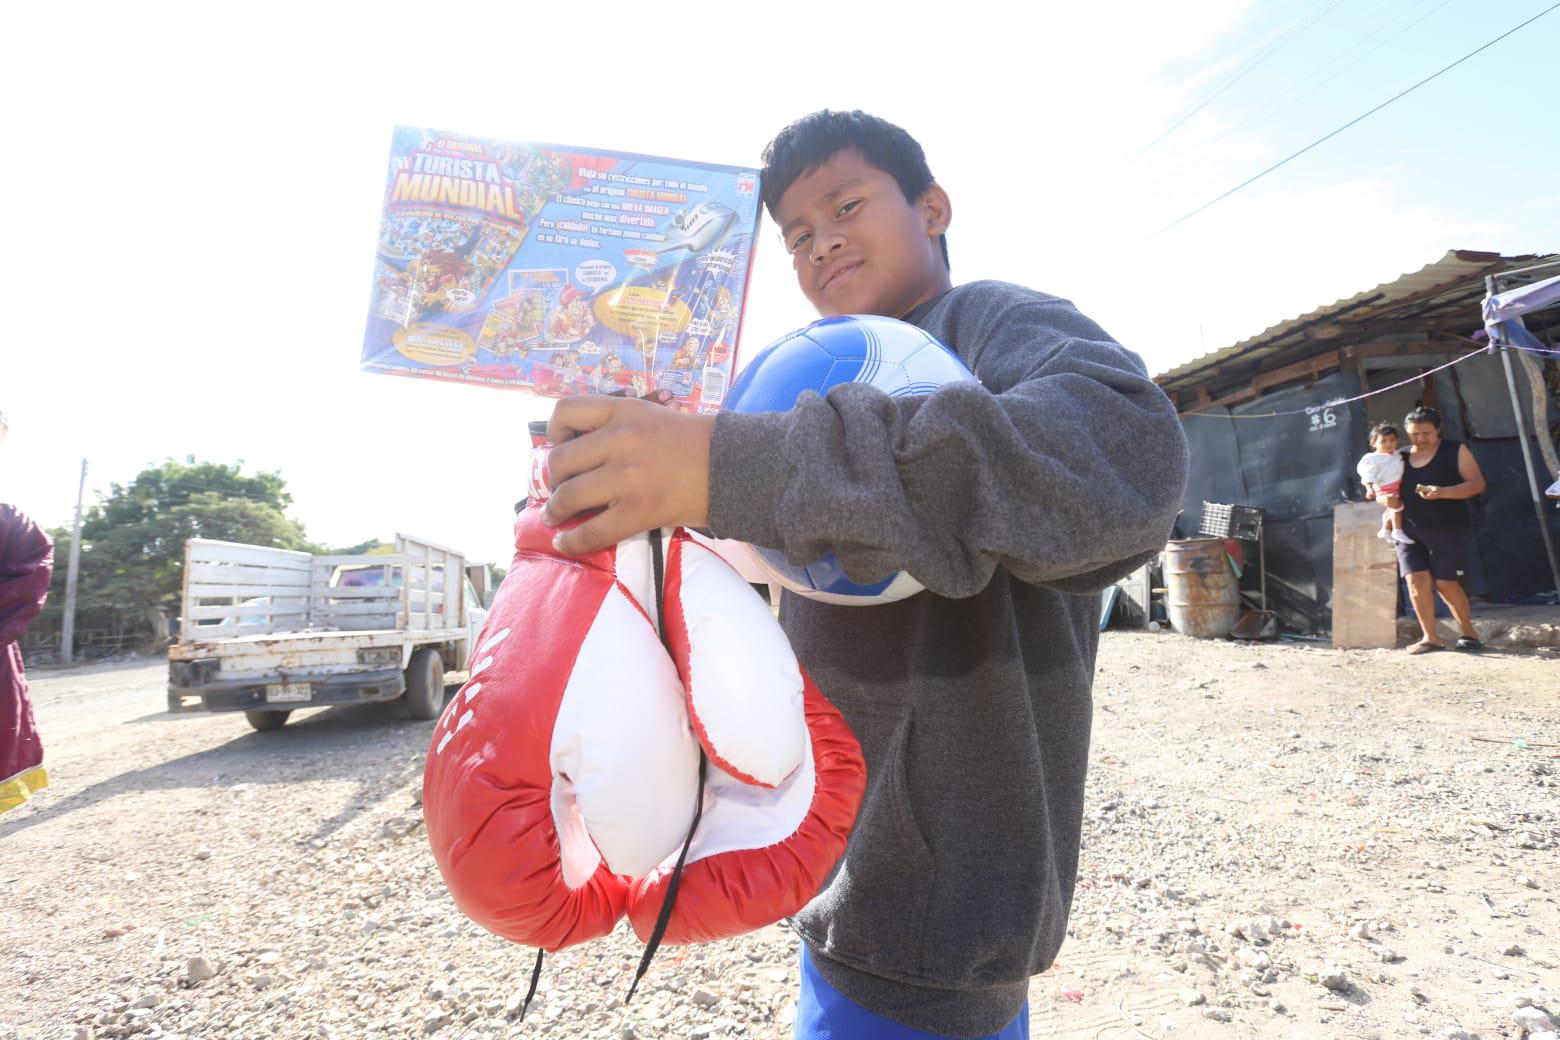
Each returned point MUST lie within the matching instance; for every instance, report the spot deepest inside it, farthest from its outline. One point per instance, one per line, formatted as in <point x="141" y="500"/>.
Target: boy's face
<point x="857" y="246"/>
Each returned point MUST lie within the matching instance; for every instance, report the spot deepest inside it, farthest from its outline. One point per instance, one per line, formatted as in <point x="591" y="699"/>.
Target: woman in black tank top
<point x="1435" y="557"/>
<point x="1441" y="471"/>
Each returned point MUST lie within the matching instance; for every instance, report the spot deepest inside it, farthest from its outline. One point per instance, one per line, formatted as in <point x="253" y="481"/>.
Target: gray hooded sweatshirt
<point x="1013" y="502"/>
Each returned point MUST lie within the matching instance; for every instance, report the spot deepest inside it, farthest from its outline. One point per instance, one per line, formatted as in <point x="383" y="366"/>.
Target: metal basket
<point x="1229" y="521"/>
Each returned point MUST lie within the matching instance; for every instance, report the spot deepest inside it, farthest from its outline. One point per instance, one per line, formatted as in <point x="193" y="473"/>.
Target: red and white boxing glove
<point x="762" y="848"/>
<point x="567" y="765"/>
<point x="760" y="855"/>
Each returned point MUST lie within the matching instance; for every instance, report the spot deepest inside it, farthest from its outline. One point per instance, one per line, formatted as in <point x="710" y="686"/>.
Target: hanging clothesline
<point x="1313" y="409"/>
<point x="1533" y="350"/>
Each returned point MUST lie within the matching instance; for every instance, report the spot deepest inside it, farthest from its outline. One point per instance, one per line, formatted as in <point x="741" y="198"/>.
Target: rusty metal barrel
<point x="1201" y="594"/>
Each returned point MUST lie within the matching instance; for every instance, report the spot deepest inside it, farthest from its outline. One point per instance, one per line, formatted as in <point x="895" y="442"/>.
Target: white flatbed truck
<point x="268" y="631"/>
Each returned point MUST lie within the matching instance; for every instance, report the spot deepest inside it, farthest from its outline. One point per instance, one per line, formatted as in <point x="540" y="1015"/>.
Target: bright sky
<point x="194" y="197"/>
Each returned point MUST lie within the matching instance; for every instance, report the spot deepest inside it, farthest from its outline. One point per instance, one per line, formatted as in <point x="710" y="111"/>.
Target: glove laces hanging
<point x="670" y="899"/>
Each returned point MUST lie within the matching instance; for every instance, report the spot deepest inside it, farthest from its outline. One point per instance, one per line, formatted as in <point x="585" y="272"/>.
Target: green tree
<point x="373" y="547"/>
<point x="132" y="542"/>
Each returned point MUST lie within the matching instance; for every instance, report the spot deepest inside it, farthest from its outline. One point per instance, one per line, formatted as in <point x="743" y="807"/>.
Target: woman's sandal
<point x="1423" y="647"/>
<point x="1469" y="643"/>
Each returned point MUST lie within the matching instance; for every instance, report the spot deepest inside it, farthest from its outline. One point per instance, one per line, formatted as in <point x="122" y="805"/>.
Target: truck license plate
<point x="282" y="693"/>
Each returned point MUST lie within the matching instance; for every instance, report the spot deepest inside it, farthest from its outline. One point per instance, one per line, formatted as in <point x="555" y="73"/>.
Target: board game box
<point x="560" y="270"/>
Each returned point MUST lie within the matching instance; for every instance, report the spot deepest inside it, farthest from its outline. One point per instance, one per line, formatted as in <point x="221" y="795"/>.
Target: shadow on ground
<point x="375" y="746"/>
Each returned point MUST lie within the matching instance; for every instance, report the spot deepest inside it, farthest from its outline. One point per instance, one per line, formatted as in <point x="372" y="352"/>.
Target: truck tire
<point x="425" y="684"/>
<point x="266" y="720"/>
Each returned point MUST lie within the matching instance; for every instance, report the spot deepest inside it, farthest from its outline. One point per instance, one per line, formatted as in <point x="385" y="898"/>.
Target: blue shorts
<point x="823" y="1014"/>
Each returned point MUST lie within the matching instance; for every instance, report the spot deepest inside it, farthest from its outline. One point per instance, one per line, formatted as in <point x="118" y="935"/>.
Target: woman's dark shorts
<point x="1443" y="551"/>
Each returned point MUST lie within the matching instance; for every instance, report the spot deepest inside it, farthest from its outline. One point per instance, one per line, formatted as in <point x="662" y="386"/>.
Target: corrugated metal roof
<point x="1448" y="289"/>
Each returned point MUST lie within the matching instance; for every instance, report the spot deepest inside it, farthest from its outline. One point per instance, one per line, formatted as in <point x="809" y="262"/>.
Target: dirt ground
<point x="1281" y="840"/>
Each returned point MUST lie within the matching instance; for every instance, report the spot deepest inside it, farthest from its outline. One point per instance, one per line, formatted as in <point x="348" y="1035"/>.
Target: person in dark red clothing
<point x="26" y="564"/>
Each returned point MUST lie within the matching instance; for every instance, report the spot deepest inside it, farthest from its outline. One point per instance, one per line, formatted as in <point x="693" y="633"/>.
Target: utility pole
<point x="68" y="627"/>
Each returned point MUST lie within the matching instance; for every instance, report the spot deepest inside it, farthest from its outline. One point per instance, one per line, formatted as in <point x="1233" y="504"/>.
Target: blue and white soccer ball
<point x="894" y="356"/>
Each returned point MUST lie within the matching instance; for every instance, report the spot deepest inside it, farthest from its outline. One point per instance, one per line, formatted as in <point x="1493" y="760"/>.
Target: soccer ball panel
<point x="894" y="356"/>
<point x="826" y="582"/>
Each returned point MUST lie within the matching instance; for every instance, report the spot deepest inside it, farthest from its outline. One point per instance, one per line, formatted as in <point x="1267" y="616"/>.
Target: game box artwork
<point x="560" y="270"/>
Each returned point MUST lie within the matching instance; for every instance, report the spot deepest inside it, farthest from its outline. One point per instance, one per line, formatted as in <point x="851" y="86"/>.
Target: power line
<point x="1307" y="88"/>
<point x="1341" y="400"/>
<point x="1294" y="30"/>
<point x="1321" y="140"/>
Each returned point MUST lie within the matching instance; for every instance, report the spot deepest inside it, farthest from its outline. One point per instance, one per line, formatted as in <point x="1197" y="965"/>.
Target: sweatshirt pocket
<point x="873" y="913"/>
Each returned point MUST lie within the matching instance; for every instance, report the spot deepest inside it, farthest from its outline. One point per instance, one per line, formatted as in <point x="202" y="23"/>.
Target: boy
<point x="1013" y="501"/>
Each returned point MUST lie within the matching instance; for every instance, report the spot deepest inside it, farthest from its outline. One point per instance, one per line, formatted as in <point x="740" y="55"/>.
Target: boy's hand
<point x="644" y="466"/>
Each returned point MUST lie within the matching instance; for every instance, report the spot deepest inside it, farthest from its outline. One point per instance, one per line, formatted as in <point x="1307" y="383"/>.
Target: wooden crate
<point x="1365" y="598"/>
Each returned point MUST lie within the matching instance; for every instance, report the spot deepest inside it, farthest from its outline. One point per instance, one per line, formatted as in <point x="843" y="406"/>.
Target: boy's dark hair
<point x="1423" y="413"/>
<point x="814" y="139"/>
<point x="1385" y="429"/>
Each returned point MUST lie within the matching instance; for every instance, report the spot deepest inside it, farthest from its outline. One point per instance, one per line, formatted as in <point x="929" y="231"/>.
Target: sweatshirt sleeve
<point x="1066" y="465"/>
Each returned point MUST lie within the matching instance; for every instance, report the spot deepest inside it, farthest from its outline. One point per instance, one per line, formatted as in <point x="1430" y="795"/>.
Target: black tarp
<point x="1297" y="468"/>
<point x="1509" y="562"/>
